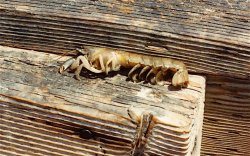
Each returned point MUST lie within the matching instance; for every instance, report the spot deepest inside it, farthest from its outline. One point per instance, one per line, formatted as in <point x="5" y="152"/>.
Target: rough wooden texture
<point x="45" y="113"/>
<point x="211" y="36"/>
<point x="227" y="117"/>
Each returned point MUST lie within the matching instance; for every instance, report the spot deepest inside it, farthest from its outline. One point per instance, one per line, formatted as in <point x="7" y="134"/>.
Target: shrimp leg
<point x="146" y="68"/>
<point x="66" y="65"/>
<point x="132" y="70"/>
<point x="84" y="64"/>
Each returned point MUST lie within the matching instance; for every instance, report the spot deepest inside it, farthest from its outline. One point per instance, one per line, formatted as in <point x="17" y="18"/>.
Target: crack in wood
<point x="93" y="117"/>
<point x="144" y="129"/>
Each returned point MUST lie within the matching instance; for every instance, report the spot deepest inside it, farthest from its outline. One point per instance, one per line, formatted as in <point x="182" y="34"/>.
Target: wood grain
<point x="46" y="113"/>
<point x="212" y="37"/>
<point x="227" y="117"/>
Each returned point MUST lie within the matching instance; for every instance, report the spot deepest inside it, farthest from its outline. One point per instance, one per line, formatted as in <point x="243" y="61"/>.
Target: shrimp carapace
<point x="156" y="70"/>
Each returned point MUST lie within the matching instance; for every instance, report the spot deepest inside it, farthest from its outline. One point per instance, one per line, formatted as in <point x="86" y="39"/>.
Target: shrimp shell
<point x="156" y="70"/>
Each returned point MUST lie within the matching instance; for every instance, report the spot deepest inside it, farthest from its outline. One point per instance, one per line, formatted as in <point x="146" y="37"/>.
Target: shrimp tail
<point x="180" y="78"/>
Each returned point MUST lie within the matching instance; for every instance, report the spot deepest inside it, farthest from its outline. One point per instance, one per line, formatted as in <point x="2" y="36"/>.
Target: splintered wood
<point x="46" y="113"/>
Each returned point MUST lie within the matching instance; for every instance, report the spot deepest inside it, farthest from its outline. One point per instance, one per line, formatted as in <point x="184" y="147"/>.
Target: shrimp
<point x="156" y="70"/>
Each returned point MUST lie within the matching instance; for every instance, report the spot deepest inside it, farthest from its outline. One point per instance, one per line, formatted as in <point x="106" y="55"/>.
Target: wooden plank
<point x="211" y="37"/>
<point x="227" y="117"/>
<point x="46" y="113"/>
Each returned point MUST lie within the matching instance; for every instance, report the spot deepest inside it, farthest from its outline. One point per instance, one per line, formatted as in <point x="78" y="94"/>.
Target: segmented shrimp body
<point x="155" y="70"/>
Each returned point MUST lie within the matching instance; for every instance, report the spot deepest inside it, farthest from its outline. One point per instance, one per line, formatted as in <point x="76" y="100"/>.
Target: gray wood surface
<point x="212" y="37"/>
<point x="46" y="113"/>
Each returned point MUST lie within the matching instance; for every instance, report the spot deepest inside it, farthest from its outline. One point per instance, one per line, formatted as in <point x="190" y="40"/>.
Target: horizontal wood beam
<point x="47" y="113"/>
<point x="211" y="37"/>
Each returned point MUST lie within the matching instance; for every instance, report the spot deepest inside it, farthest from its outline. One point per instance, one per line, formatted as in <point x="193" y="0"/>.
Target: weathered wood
<point x="227" y="117"/>
<point x="46" y="113"/>
<point x="210" y="36"/>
